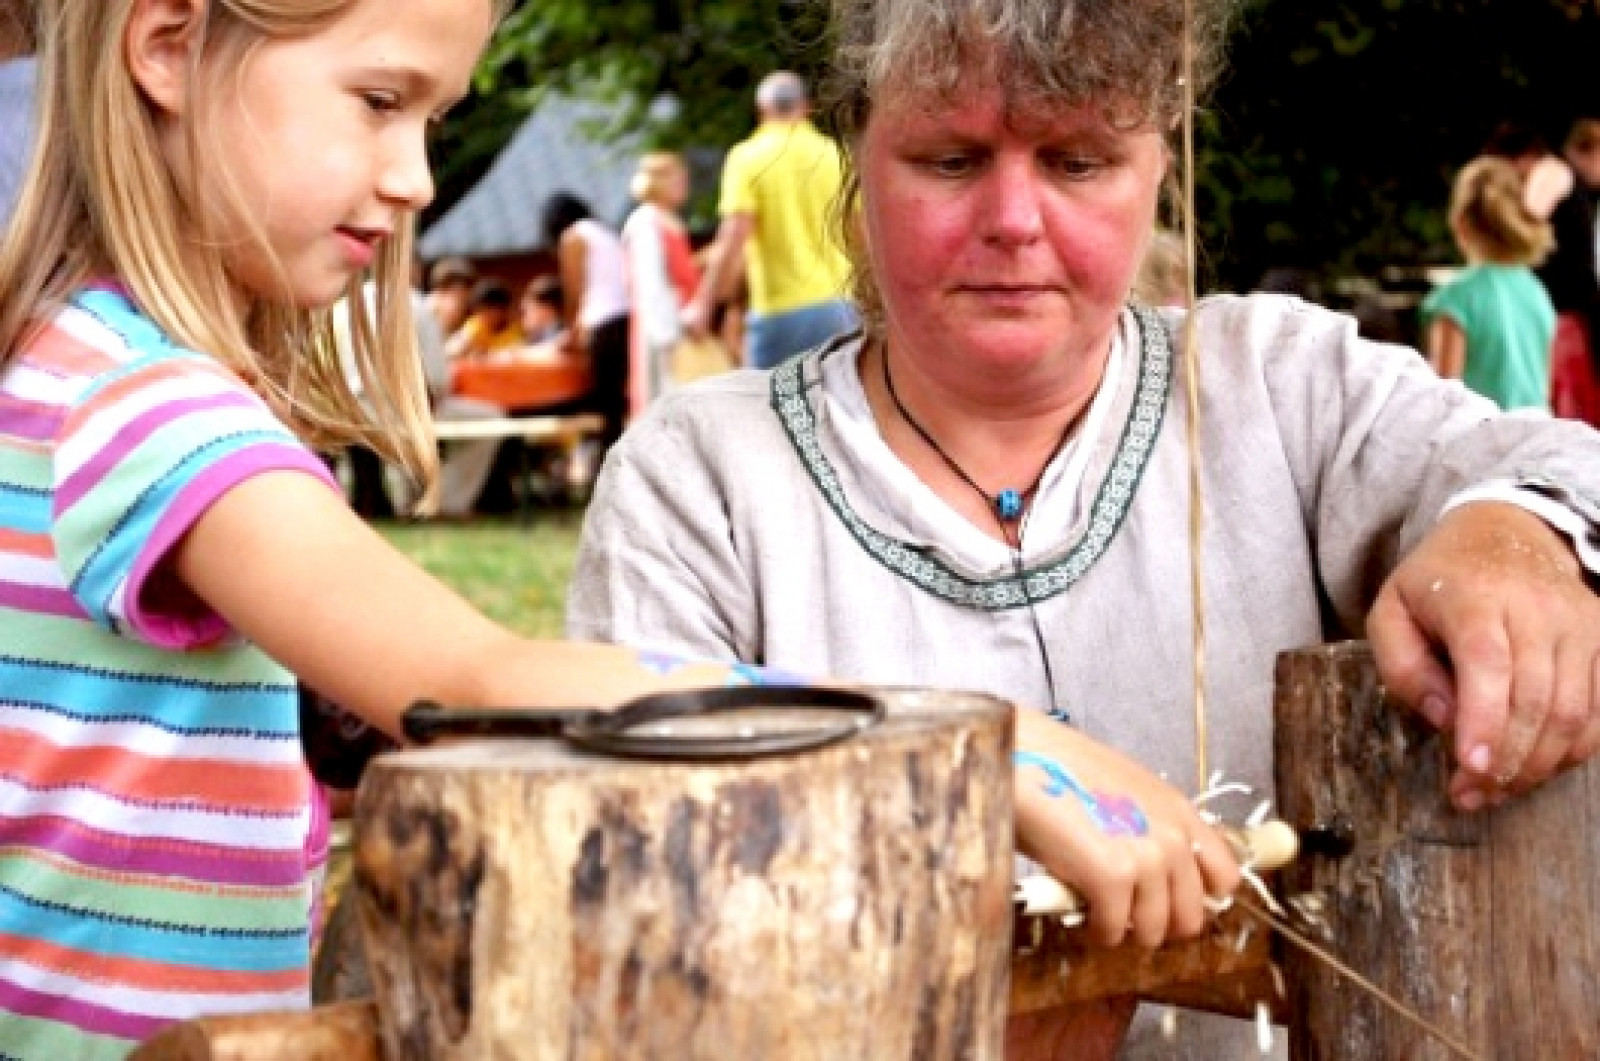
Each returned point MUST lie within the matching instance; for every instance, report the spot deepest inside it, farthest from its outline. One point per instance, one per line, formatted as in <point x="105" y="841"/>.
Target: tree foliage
<point x="682" y="71"/>
<point x="1333" y="140"/>
<point x="1329" y="144"/>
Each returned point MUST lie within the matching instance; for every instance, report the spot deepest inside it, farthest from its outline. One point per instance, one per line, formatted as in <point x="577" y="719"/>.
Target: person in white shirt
<point x="594" y="276"/>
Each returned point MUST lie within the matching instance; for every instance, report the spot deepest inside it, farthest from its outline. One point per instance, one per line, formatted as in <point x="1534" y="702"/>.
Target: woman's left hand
<point x="1503" y="596"/>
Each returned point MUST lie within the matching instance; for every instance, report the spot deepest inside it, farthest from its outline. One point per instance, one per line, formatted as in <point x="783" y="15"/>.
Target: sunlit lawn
<point x="515" y="573"/>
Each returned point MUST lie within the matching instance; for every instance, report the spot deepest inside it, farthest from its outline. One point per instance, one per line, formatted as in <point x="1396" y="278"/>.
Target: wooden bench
<point x="564" y="432"/>
<point x="561" y="429"/>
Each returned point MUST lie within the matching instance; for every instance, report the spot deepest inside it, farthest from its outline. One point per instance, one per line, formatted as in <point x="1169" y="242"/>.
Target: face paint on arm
<point x="1113" y="815"/>
<point x="749" y="674"/>
<point x="663" y="664"/>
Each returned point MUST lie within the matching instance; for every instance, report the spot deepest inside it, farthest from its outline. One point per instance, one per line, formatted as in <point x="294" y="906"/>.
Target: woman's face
<point x="1004" y="241"/>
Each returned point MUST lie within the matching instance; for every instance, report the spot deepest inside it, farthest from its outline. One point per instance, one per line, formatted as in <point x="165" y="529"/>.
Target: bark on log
<point x="525" y="899"/>
<point x="346" y="1032"/>
<point x="1485" y="924"/>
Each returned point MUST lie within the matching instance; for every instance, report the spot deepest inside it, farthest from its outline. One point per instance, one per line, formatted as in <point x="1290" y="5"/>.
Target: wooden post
<point x="1485" y="924"/>
<point x="526" y="899"/>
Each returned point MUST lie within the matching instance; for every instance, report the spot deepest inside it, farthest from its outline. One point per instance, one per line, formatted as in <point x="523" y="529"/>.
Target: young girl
<point x="211" y="176"/>
<point x="1492" y="326"/>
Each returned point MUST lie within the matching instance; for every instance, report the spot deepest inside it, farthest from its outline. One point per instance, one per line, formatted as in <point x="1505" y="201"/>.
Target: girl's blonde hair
<point x="1490" y="212"/>
<point x="102" y="200"/>
<point x="651" y="177"/>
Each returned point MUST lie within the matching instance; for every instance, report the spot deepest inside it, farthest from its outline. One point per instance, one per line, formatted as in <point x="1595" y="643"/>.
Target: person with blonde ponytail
<point x="662" y="274"/>
<point x="1493" y="325"/>
<point x="210" y="177"/>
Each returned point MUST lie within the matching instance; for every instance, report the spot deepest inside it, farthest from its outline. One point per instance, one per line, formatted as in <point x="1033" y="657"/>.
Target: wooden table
<point x="523" y="380"/>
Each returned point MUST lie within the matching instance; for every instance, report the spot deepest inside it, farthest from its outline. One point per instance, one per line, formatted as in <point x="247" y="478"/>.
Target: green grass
<point x="516" y="574"/>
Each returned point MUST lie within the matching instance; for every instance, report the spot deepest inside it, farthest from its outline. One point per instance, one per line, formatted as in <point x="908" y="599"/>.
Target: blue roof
<point x="557" y="149"/>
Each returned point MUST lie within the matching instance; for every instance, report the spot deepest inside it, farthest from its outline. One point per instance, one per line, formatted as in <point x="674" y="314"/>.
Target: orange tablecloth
<point x="522" y="383"/>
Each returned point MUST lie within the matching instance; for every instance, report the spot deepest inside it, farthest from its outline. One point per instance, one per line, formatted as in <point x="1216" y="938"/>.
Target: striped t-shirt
<point x="154" y="804"/>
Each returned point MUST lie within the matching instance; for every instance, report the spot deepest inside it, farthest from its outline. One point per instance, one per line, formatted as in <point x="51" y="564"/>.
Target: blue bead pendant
<point x="1008" y="505"/>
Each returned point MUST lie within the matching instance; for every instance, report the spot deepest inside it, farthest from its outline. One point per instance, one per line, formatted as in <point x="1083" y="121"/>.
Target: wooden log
<point x="1485" y="924"/>
<point x="345" y="1032"/>
<point x="524" y="898"/>
<point x="1055" y="966"/>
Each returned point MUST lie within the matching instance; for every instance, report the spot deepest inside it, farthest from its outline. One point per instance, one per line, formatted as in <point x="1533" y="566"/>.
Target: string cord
<point x="990" y="500"/>
<point x="1202" y="740"/>
<point x="1302" y="941"/>
<point x="1013" y="535"/>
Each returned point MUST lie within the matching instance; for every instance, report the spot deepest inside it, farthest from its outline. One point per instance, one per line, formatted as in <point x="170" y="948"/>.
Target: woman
<point x="988" y="487"/>
<point x="662" y="273"/>
<point x="594" y="276"/>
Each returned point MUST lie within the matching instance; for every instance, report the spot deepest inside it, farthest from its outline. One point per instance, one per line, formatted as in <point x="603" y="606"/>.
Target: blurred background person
<point x="377" y="493"/>
<point x="1546" y="177"/>
<point x="777" y="189"/>
<point x="540" y="310"/>
<point x="1492" y="325"/>
<point x="594" y="278"/>
<point x="1572" y="277"/>
<point x="490" y="326"/>
<point x="1163" y="277"/>
<point x="662" y="274"/>
<point x="17" y="67"/>
<point x="449" y="297"/>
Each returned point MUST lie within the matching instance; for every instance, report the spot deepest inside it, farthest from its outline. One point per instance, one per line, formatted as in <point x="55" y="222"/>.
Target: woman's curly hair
<point x="1044" y="55"/>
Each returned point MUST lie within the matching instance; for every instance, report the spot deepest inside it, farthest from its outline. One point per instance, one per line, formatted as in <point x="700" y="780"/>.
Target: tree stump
<point x="1485" y="924"/>
<point x="528" y="899"/>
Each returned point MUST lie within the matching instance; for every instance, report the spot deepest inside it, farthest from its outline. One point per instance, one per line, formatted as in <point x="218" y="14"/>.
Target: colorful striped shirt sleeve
<point x="142" y="454"/>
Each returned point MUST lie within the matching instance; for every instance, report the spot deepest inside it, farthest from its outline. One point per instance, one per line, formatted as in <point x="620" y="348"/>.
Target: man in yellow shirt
<point x="777" y="188"/>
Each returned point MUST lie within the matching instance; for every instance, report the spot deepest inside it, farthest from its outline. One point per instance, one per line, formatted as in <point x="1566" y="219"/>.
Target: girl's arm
<point x="1447" y="347"/>
<point x="1128" y="842"/>
<point x="289" y="566"/>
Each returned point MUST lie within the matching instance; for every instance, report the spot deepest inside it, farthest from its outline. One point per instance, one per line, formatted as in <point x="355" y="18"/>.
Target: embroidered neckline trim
<point x="1033" y="584"/>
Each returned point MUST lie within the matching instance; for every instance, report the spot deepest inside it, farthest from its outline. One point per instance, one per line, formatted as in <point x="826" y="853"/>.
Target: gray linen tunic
<point x="761" y="517"/>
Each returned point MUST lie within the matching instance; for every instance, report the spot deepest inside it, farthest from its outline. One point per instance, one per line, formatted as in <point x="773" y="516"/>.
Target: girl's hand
<point x="1131" y="845"/>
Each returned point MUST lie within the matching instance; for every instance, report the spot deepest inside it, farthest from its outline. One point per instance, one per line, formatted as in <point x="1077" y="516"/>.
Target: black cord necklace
<point x="1010" y="507"/>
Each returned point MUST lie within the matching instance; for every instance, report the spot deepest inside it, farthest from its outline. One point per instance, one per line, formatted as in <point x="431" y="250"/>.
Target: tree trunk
<point x="1482" y="923"/>
<point x="526" y="899"/>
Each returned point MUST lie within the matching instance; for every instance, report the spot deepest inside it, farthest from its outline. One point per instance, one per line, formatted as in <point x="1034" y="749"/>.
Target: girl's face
<point x="1004" y="243"/>
<point x="325" y="139"/>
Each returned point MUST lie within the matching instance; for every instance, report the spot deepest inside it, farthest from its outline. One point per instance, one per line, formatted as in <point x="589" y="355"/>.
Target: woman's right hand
<point x="1130" y="844"/>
